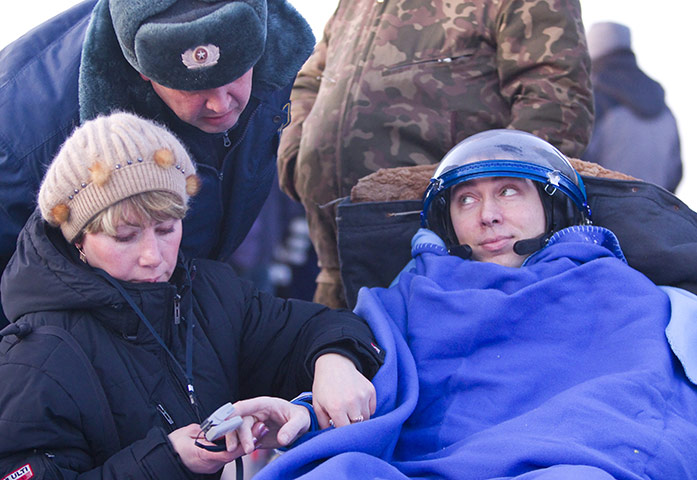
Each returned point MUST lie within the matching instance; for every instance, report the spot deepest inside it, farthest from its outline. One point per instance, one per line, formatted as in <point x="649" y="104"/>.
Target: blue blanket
<point x="556" y="370"/>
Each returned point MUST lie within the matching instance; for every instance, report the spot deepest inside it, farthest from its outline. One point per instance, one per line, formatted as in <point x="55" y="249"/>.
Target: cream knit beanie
<point x="107" y="160"/>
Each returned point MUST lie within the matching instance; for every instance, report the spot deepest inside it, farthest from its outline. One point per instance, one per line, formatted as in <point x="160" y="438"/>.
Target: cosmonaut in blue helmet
<point x="531" y="164"/>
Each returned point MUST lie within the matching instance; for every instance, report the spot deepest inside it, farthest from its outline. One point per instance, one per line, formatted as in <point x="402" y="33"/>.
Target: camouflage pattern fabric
<point x="397" y="83"/>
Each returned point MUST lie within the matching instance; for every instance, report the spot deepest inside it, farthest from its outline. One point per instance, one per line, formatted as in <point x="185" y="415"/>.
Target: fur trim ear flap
<point x="193" y="185"/>
<point x="107" y="82"/>
<point x="99" y="173"/>
<point x="289" y="42"/>
<point x="164" y="158"/>
<point x="60" y="213"/>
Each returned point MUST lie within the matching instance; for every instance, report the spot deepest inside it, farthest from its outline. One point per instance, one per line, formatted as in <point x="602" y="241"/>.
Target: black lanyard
<point x="188" y="373"/>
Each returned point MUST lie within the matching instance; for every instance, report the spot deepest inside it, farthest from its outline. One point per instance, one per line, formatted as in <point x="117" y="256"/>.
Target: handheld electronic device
<point x="217" y="425"/>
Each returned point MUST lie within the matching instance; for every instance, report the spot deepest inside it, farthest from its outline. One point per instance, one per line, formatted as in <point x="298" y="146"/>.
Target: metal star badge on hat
<point x="201" y="57"/>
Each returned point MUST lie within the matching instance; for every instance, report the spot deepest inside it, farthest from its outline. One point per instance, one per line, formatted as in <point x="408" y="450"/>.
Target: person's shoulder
<point x="38" y="338"/>
<point x="207" y="267"/>
<point x="207" y="272"/>
<point x="41" y="68"/>
<point x="59" y="38"/>
<point x="216" y="285"/>
<point x="272" y="95"/>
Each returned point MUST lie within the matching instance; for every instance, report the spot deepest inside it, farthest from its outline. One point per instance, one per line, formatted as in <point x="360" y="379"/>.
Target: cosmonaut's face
<point x="491" y="214"/>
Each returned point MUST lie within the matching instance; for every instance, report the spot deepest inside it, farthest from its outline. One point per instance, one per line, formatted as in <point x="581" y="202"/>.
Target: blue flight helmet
<point x="507" y="153"/>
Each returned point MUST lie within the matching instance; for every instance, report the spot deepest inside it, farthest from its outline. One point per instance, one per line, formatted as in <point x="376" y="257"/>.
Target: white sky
<point x="661" y="37"/>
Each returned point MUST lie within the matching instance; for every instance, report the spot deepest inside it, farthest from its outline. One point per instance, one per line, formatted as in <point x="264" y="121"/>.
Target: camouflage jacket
<point x="398" y="83"/>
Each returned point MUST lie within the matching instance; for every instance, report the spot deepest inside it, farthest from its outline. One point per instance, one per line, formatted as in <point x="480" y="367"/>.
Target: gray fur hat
<point x="190" y="44"/>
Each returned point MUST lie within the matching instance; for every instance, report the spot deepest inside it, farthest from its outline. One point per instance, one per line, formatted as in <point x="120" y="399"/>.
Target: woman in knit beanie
<point x="119" y="348"/>
<point x="121" y="167"/>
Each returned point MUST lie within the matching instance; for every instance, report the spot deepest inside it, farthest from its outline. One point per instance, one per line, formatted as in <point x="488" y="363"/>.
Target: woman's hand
<point x="340" y="393"/>
<point x="267" y="422"/>
<point x="197" y="459"/>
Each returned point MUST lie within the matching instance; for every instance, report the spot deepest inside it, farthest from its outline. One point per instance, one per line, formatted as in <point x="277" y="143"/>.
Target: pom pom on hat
<point x="107" y="160"/>
<point x="60" y="213"/>
<point x="193" y="185"/>
<point x="164" y="158"/>
<point x="99" y="173"/>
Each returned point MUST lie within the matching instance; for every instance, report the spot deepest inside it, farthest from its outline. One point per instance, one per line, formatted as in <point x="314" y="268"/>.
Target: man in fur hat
<point x="217" y="73"/>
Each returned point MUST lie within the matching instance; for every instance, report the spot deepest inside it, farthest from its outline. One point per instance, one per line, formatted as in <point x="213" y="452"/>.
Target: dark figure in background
<point x="635" y="131"/>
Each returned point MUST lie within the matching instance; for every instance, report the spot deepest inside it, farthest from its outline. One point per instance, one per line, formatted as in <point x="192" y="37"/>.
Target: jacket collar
<point x="46" y="275"/>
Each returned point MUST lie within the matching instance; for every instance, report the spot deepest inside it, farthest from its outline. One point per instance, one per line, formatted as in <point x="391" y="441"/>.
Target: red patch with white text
<point x="24" y="473"/>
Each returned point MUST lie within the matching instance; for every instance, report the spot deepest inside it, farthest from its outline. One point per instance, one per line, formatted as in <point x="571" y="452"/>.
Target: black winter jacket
<point x="86" y="390"/>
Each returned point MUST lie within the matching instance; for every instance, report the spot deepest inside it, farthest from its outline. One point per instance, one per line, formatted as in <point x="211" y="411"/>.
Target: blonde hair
<point x="143" y="208"/>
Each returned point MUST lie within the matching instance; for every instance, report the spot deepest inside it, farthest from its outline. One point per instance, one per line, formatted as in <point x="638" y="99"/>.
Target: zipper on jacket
<point x="51" y="467"/>
<point x="400" y="66"/>
<point x="246" y="127"/>
<point x="165" y="415"/>
<point x="226" y="139"/>
<point x="177" y="309"/>
<point x="187" y="386"/>
<point x="179" y="385"/>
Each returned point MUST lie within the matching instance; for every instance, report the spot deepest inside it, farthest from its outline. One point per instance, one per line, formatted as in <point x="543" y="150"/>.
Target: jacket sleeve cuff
<point x="156" y="456"/>
<point x="366" y="357"/>
<point x="305" y="400"/>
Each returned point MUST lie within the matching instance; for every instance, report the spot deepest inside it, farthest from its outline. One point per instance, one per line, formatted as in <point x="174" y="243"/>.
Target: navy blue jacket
<point x="70" y="69"/>
<point x="635" y="131"/>
<point x="90" y="393"/>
